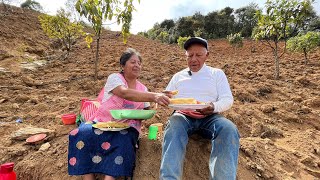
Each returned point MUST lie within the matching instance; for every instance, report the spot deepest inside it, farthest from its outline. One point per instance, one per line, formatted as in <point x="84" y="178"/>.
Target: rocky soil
<point x="279" y="120"/>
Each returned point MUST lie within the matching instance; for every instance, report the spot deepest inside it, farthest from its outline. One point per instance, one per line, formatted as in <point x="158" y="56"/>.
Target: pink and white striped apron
<point x="115" y="102"/>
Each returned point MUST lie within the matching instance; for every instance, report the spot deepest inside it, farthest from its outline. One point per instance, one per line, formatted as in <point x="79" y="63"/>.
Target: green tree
<point x="226" y="22"/>
<point x="304" y="43"/>
<point x="246" y="20"/>
<point x="33" y="5"/>
<point x="281" y="16"/>
<point x="310" y="16"/>
<point x="211" y="24"/>
<point x="98" y="11"/>
<point x="218" y="24"/>
<point x="198" y="25"/>
<point x="173" y="37"/>
<point x="198" y="21"/>
<point x="167" y="24"/>
<point x="183" y="27"/>
<point x="59" y="27"/>
<point x="314" y="24"/>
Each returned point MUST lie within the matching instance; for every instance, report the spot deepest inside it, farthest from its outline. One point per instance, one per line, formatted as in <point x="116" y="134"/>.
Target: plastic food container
<point x="69" y="118"/>
<point x="132" y="114"/>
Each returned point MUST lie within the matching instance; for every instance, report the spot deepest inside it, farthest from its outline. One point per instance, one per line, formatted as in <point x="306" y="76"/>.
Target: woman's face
<point x="132" y="66"/>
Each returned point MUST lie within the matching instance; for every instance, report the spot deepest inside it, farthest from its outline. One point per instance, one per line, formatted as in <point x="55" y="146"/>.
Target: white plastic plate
<point x="188" y="106"/>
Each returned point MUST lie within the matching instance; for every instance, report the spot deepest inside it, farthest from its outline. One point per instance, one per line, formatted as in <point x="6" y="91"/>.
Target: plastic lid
<point x="7" y="167"/>
<point x="36" y="138"/>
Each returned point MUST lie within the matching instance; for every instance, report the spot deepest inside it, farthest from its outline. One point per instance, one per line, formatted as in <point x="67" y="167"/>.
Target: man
<point x="205" y="84"/>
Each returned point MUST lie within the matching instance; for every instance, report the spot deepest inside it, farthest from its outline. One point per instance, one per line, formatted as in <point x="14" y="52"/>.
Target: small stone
<point x="15" y="106"/>
<point x="44" y="146"/>
<point x="267" y="108"/>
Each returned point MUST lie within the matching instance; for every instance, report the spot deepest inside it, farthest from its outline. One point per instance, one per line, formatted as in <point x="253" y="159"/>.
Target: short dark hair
<point x="127" y="54"/>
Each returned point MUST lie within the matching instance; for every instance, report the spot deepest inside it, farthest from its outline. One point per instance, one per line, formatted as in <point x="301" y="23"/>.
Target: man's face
<point x="196" y="56"/>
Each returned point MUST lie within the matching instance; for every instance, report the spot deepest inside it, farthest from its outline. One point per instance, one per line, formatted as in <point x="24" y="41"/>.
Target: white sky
<point x="150" y="12"/>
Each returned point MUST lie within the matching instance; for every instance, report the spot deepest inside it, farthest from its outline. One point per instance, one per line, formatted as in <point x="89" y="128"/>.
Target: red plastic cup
<point x="69" y="118"/>
<point x="6" y="172"/>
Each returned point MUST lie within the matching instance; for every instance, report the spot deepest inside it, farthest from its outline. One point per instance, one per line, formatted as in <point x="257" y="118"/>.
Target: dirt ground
<point x="279" y="120"/>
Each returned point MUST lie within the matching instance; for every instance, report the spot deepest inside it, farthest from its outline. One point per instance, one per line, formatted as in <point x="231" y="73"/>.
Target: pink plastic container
<point x="69" y="118"/>
<point x="6" y="172"/>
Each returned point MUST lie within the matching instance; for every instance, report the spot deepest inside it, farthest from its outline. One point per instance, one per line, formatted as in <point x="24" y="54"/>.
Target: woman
<point x="112" y="153"/>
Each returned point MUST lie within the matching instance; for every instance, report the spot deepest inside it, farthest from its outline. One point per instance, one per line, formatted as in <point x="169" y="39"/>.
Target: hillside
<point x="279" y="120"/>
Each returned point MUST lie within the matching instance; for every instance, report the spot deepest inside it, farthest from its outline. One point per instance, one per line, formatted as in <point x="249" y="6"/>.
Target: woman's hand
<point x="161" y="99"/>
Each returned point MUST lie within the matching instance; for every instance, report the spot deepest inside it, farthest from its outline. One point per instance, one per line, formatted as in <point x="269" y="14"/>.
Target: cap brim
<point x="191" y="41"/>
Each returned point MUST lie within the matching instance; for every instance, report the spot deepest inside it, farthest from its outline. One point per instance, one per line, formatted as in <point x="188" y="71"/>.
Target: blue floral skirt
<point x="92" y="150"/>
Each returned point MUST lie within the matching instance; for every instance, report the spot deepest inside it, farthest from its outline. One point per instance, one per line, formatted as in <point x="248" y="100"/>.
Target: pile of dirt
<point x="278" y="119"/>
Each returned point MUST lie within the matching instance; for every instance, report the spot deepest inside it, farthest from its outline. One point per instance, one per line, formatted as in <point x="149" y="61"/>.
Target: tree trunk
<point x="97" y="60"/>
<point x="277" y="64"/>
<point x="305" y="56"/>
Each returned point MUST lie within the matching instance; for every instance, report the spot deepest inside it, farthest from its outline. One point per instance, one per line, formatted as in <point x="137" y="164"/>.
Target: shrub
<point x="235" y="40"/>
<point x="304" y="43"/>
<point x="163" y="37"/>
<point x="182" y="40"/>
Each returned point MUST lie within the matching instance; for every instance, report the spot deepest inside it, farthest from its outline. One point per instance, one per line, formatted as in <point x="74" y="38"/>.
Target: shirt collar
<point x="201" y="70"/>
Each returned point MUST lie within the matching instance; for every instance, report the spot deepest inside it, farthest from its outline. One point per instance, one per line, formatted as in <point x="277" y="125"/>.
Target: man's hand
<point x="208" y="110"/>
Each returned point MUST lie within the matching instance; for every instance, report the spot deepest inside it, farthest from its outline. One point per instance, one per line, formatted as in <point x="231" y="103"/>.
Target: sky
<point x="150" y="12"/>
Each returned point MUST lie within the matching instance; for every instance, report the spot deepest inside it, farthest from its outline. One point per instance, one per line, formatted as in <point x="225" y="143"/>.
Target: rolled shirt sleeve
<point x="225" y="99"/>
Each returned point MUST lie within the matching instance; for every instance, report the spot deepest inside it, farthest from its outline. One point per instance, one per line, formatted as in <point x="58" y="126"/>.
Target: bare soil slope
<point x="279" y="120"/>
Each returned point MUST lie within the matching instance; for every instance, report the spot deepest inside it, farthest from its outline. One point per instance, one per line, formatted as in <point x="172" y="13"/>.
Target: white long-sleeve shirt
<point x="207" y="85"/>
